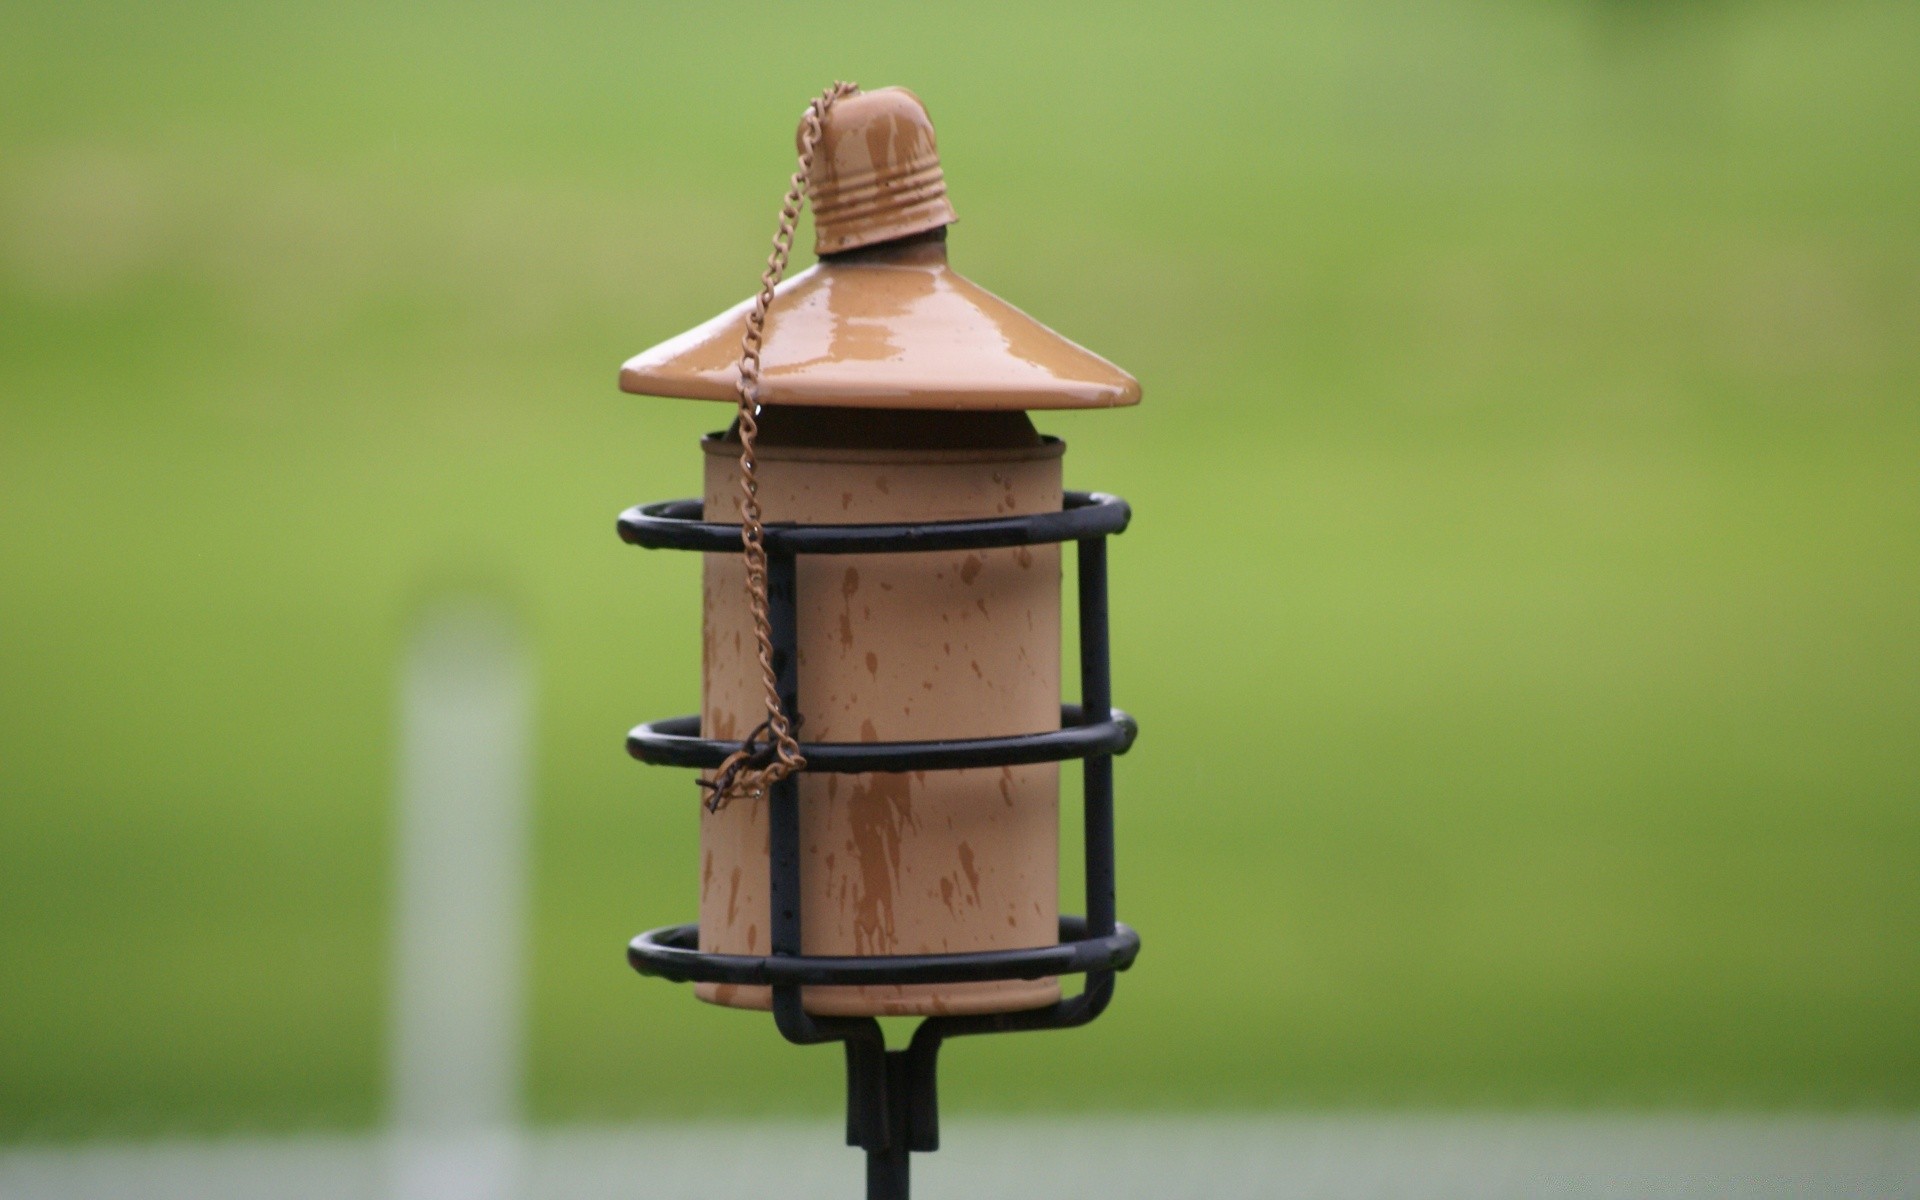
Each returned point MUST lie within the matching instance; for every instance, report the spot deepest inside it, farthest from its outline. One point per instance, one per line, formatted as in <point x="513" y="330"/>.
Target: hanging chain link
<point x="757" y="765"/>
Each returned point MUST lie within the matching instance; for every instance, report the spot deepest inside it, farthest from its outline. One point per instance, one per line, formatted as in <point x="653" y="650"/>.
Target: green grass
<point x="1523" y="608"/>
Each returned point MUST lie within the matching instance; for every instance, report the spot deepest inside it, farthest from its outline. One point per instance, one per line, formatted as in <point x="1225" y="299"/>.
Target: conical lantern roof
<point x="884" y="322"/>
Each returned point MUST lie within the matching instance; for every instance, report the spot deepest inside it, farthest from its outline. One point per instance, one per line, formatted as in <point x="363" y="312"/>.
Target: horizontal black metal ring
<point x="675" y="742"/>
<point x="674" y="953"/>
<point x="678" y="525"/>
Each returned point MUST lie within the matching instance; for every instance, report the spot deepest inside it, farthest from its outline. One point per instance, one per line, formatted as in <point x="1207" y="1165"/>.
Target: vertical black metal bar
<point x="1096" y="702"/>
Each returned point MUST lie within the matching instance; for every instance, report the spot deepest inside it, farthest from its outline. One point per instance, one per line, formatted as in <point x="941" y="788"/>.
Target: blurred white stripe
<point x="460" y="870"/>
<point x="1131" y="1158"/>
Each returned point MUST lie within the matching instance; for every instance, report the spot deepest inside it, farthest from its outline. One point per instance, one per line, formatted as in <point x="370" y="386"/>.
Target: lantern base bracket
<point x="893" y="1106"/>
<point x="893" y="1102"/>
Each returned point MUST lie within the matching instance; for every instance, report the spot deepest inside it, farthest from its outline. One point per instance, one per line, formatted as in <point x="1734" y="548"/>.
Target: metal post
<point x="888" y="1169"/>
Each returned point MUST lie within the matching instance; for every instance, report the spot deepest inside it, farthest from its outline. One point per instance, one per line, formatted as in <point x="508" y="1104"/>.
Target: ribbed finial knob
<point x="876" y="173"/>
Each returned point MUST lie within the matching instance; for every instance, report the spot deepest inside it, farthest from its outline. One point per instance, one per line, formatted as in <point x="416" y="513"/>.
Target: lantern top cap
<point x="883" y="322"/>
<point x="876" y="172"/>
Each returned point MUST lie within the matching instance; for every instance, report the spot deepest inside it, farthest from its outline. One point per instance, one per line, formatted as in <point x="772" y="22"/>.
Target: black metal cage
<point x="892" y="1107"/>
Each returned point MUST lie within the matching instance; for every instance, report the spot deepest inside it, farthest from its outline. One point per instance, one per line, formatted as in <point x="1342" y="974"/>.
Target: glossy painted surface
<point x="876" y="173"/>
<point x="899" y="329"/>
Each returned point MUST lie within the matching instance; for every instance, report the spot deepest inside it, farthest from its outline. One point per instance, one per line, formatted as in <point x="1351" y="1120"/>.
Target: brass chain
<point x="755" y="767"/>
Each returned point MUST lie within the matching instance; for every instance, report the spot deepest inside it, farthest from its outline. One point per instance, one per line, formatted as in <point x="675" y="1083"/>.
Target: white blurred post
<point x="460" y="902"/>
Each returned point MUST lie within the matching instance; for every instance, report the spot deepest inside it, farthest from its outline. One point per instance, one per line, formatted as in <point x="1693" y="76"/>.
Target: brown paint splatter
<point x="973" y="876"/>
<point x="733" y="897"/>
<point x="879" y="813"/>
<point x="970" y="569"/>
<point x="873" y="664"/>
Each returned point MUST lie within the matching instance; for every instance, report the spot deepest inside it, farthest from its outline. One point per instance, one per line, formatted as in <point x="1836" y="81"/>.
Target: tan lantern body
<point x="895" y="648"/>
<point x="891" y="392"/>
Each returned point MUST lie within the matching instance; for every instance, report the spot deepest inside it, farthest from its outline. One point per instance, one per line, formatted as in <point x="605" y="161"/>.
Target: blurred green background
<point x="1523" y="607"/>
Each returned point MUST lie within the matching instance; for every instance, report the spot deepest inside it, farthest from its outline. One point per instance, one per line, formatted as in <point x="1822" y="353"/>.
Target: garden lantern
<point x="881" y="724"/>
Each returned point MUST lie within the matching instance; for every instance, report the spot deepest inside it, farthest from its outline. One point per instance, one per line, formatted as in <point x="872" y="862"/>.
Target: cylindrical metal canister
<point x="899" y="647"/>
